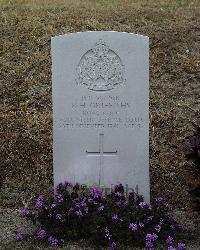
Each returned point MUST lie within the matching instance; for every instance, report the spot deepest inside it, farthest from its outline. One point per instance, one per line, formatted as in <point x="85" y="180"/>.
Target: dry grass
<point x="26" y="108"/>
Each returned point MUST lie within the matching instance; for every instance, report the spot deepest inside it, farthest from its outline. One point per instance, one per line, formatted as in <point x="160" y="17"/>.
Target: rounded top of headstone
<point x="102" y="32"/>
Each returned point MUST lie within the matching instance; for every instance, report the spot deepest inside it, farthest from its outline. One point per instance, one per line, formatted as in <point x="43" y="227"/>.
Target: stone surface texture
<point x="101" y="109"/>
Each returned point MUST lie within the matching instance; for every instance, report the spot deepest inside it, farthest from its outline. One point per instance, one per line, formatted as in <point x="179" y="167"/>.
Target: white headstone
<point x="100" y="109"/>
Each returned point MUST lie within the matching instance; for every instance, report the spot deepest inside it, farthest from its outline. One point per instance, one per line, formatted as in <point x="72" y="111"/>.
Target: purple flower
<point x="121" y="203"/>
<point x="18" y="236"/>
<point x="150" y="218"/>
<point x="86" y="210"/>
<point x="172" y="227"/>
<point x="24" y="212"/>
<point x="125" y="203"/>
<point x="53" y="241"/>
<point x="169" y="240"/>
<point x="181" y="246"/>
<point x="159" y="199"/>
<point x="39" y="201"/>
<point x="142" y="204"/>
<point x="59" y="198"/>
<point x="119" y="188"/>
<point x="95" y="203"/>
<point x="155" y="236"/>
<point x="54" y="204"/>
<point x="141" y="224"/>
<point x="149" y="245"/>
<point x="41" y="234"/>
<point x="107" y="230"/>
<point x="83" y="202"/>
<point x="158" y="228"/>
<point x="58" y="217"/>
<point x="161" y="221"/>
<point x="70" y="210"/>
<point x="107" y="234"/>
<point x="112" y="245"/>
<point x="118" y="194"/>
<point x="150" y="207"/>
<point x="115" y="217"/>
<point x="96" y="192"/>
<point x="133" y="227"/>
<point x="171" y="248"/>
<point x="79" y="214"/>
<point x="90" y="200"/>
<point x="100" y="208"/>
<point x="151" y="237"/>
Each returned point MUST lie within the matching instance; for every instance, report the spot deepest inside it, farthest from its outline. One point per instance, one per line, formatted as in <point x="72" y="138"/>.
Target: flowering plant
<point x="75" y="212"/>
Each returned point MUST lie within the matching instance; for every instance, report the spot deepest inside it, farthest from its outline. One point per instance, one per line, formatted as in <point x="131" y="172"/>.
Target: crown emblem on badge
<point x="100" y="68"/>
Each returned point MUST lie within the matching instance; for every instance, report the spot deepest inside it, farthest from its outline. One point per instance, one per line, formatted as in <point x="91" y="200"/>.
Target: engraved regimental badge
<point x="100" y="68"/>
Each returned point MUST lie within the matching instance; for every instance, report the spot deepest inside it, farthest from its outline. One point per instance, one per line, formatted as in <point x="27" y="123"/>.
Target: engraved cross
<point x="101" y="153"/>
